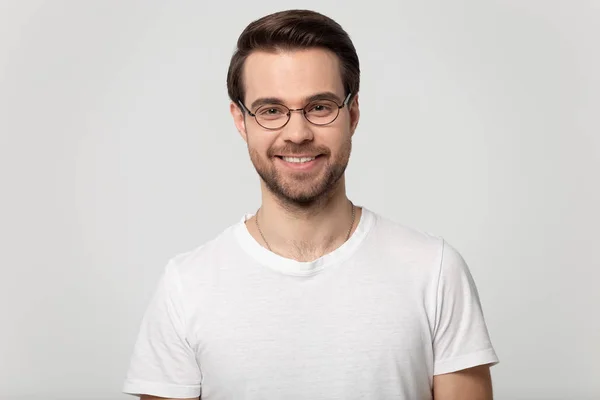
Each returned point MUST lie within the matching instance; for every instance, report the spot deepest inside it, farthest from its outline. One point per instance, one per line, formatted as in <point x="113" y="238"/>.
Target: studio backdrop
<point x="480" y="122"/>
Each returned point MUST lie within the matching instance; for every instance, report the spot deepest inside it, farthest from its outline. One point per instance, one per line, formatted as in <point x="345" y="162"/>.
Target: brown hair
<point x="292" y="30"/>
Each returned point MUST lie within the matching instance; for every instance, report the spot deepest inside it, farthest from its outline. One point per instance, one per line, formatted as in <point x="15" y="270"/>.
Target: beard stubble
<point x="302" y="189"/>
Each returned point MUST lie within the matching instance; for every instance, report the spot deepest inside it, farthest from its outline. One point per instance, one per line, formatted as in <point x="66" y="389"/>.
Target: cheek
<point x="259" y="141"/>
<point x="263" y="146"/>
<point x="337" y="141"/>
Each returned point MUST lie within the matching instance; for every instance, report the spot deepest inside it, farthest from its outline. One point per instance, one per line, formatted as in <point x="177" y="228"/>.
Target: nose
<point x="298" y="129"/>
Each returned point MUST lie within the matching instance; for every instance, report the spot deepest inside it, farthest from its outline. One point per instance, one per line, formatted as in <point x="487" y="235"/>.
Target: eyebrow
<point x="272" y="100"/>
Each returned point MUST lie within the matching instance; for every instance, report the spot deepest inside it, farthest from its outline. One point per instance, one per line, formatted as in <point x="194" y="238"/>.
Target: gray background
<point x="480" y="123"/>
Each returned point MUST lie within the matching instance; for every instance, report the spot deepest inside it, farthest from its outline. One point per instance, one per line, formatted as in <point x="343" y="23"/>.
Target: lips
<point x="300" y="163"/>
<point x="298" y="159"/>
<point x="298" y="155"/>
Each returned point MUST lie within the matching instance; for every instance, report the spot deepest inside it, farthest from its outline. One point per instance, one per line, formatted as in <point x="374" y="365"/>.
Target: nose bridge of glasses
<point x="300" y="110"/>
<point x="299" y="130"/>
<point x="291" y="110"/>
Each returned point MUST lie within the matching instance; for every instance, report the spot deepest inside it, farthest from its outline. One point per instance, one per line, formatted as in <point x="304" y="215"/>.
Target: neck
<point x="304" y="232"/>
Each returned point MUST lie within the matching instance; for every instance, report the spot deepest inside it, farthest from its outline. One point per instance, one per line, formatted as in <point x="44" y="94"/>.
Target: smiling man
<point x="311" y="296"/>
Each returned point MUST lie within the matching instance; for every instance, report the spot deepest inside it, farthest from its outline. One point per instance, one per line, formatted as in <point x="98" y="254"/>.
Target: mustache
<point x="292" y="149"/>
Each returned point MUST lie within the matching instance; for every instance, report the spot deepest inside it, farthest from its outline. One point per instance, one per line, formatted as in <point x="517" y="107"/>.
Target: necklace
<point x="269" y="247"/>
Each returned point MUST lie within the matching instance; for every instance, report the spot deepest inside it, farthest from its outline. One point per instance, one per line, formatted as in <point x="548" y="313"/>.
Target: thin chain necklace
<point x="347" y="236"/>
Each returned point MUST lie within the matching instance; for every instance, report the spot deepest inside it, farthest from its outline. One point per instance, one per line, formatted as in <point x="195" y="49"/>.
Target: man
<point x="311" y="297"/>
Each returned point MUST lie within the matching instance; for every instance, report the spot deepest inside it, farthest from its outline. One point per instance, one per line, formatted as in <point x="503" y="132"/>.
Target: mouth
<point x="301" y="162"/>
<point x="302" y="159"/>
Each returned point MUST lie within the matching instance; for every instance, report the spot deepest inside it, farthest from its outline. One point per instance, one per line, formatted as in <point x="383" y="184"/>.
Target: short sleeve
<point x="163" y="363"/>
<point x="461" y="339"/>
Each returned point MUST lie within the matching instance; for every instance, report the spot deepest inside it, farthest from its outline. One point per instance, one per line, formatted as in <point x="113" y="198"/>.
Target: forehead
<point x="291" y="75"/>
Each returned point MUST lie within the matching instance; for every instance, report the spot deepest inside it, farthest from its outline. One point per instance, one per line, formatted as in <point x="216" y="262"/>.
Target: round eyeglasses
<point x="274" y="116"/>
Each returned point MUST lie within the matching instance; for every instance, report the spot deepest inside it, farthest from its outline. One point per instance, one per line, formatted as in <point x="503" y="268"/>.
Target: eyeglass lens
<point x="273" y="116"/>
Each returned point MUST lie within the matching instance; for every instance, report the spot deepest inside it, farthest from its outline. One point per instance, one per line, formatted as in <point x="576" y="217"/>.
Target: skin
<point x="306" y="215"/>
<point x="469" y="384"/>
<point x="303" y="215"/>
<point x="146" y="397"/>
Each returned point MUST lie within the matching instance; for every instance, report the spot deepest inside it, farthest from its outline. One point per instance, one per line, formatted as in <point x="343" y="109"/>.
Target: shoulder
<point x="423" y="251"/>
<point x="191" y="264"/>
<point x="420" y="253"/>
<point x="410" y="246"/>
<point x="395" y="236"/>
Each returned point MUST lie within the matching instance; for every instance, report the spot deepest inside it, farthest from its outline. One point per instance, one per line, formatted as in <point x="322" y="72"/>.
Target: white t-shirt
<point x="375" y="319"/>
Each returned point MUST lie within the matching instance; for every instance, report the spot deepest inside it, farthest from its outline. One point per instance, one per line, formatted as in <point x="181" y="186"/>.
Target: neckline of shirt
<point x="290" y="266"/>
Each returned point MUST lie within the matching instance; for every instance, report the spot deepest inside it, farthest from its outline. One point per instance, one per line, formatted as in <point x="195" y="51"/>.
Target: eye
<point x="271" y="111"/>
<point x="321" y="107"/>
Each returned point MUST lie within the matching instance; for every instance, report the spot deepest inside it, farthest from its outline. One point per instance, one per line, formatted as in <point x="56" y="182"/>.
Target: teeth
<point x="298" y="160"/>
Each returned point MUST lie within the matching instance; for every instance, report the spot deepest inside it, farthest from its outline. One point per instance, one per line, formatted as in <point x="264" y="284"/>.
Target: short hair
<point x="294" y="30"/>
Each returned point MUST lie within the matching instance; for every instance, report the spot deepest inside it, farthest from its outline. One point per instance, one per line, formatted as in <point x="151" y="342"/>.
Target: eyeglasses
<point x="276" y="116"/>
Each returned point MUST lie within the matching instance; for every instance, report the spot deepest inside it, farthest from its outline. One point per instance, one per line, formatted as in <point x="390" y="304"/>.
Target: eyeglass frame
<point x="291" y="110"/>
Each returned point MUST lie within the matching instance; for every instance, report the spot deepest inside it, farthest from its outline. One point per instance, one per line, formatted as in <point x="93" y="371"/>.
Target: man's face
<point x="292" y="78"/>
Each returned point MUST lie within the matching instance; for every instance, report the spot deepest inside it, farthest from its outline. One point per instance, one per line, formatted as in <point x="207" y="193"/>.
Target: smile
<point x="303" y="163"/>
<point x="297" y="160"/>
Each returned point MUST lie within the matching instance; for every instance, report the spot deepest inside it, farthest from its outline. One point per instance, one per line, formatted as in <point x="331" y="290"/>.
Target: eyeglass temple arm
<point x="244" y="108"/>
<point x="347" y="99"/>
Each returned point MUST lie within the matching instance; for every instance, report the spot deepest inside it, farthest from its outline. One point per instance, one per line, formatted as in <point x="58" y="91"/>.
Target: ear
<point x="239" y="119"/>
<point x="354" y="111"/>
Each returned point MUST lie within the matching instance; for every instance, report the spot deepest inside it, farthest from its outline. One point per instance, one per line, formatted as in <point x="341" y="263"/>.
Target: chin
<point x="302" y="193"/>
